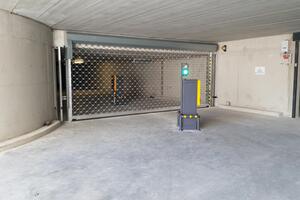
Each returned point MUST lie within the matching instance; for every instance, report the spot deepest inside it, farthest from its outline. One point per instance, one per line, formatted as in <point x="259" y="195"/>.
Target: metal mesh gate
<point x="109" y="80"/>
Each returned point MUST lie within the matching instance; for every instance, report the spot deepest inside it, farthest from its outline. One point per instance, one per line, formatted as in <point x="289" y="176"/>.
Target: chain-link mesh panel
<point x="117" y="80"/>
<point x="209" y="80"/>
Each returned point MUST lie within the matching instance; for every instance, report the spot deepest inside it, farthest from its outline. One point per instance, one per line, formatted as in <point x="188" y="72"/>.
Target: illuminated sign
<point x="185" y="70"/>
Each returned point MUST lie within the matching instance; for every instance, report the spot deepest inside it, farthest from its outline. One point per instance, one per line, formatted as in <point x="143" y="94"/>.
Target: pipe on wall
<point x="296" y="38"/>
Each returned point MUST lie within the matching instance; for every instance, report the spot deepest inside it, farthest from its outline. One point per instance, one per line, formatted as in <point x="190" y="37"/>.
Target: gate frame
<point x="296" y="92"/>
<point x="127" y="42"/>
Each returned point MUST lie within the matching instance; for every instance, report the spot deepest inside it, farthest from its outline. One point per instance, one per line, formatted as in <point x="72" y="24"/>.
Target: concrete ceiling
<point x="198" y="20"/>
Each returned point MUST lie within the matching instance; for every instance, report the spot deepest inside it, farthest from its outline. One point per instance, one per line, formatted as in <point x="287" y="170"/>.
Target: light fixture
<point x="224" y="48"/>
<point x="78" y="61"/>
<point x="185" y="70"/>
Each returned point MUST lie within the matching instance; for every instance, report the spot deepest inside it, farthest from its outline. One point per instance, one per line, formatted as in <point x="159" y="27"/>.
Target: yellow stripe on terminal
<point x="198" y="93"/>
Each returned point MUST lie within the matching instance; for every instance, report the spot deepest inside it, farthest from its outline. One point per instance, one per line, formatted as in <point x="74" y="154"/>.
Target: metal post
<point x="60" y="85"/>
<point x="69" y="89"/>
<point x="54" y="82"/>
<point x="213" y="81"/>
<point x="295" y="84"/>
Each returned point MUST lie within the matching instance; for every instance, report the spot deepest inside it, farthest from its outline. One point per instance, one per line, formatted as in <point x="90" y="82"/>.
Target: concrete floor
<point x="236" y="156"/>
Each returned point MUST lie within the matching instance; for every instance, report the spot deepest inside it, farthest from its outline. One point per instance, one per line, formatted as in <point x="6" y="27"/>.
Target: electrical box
<point x="285" y="52"/>
<point x="188" y="118"/>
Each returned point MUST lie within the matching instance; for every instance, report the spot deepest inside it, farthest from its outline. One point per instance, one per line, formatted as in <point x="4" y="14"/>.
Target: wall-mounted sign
<point x="285" y="46"/>
<point x="260" y="70"/>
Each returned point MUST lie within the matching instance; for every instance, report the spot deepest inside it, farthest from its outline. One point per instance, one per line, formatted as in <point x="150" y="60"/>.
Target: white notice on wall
<point x="260" y="70"/>
<point x="285" y="46"/>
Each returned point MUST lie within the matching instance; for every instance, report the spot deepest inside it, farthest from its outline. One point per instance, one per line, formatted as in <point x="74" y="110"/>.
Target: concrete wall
<point x="26" y="81"/>
<point x="237" y="82"/>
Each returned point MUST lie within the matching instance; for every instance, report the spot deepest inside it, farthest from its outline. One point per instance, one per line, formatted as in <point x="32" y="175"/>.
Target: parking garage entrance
<point x="116" y="80"/>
